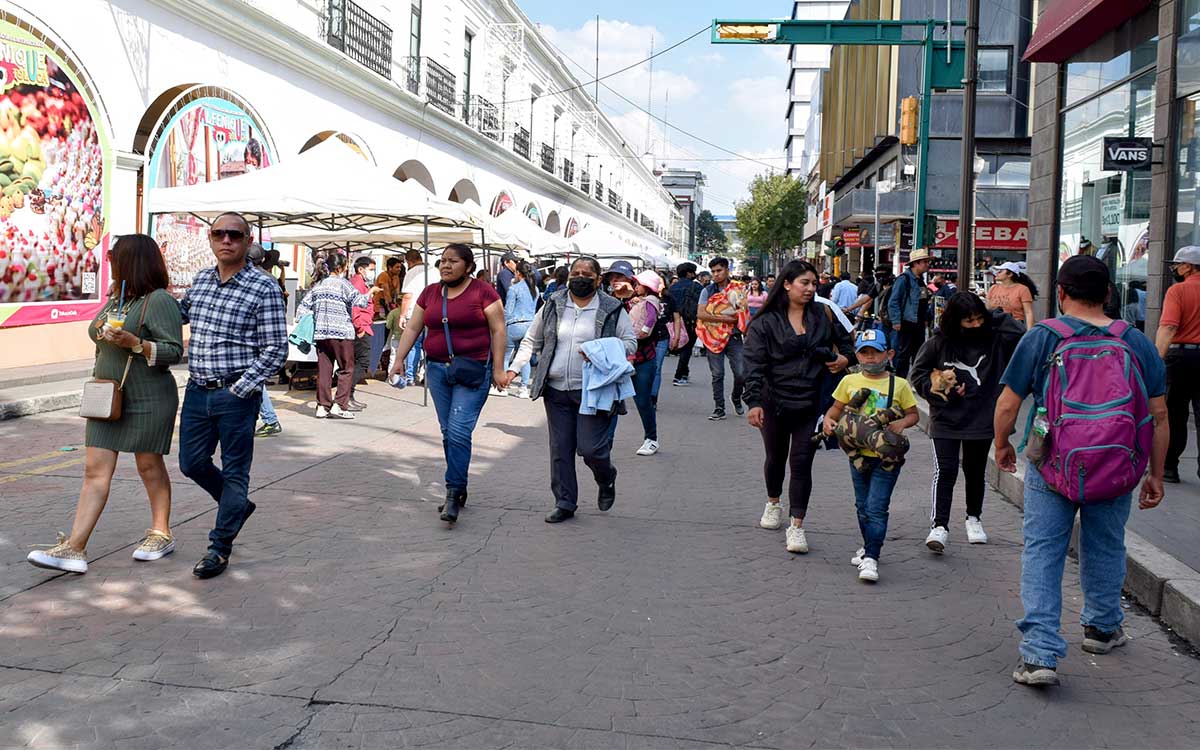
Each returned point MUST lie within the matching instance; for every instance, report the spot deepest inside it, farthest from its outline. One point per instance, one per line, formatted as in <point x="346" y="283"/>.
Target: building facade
<point x="686" y="186"/>
<point x="108" y="99"/>
<point x="805" y="65"/>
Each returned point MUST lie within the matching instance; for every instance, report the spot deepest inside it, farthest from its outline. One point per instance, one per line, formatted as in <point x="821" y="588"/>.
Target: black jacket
<point x="978" y="366"/>
<point x="785" y="371"/>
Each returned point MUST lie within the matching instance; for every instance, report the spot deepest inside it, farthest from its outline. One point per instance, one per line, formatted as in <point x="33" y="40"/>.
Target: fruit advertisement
<point x="209" y="139"/>
<point x="53" y="166"/>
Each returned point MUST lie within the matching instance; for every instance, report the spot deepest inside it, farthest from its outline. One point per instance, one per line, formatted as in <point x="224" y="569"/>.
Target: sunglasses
<point x="235" y="235"/>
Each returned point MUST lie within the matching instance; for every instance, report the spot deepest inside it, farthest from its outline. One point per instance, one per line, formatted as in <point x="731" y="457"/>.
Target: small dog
<point x="942" y="382"/>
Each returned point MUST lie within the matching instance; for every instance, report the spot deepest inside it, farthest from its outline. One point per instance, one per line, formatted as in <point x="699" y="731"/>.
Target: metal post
<point x="922" y="144"/>
<point x="425" y="269"/>
<point x="966" y="210"/>
<point x="875" y="236"/>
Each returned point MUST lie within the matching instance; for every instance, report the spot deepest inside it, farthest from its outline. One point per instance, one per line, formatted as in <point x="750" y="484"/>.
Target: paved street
<point x="351" y="617"/>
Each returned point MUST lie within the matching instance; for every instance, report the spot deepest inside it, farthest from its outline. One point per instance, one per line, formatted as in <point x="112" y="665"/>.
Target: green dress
<point x="151" y="396"/>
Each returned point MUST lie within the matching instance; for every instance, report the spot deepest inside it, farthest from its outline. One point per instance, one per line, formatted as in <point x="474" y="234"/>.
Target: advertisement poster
<point x="53" y="166"/>
<point x="209" y="139"/>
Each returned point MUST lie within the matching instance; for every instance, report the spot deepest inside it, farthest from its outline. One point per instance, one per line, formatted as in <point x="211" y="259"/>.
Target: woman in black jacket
<point x="958" y="372"/>
<point x="792" y="343"/>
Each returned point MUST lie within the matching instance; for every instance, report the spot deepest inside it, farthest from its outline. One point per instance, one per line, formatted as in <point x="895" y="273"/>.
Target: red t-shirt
<point x="1181" y="309"/>
<point x="468" y="325"/>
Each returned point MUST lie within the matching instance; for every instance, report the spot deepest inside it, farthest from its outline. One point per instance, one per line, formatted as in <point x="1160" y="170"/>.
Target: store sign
<point x="851" y="237"/>
<point x="1127" y="154"/>
<point x="990" y="234"/>
<point x="54" y="167"/>
<point x="1111" y="208"/>
<point x="826" y="201"/>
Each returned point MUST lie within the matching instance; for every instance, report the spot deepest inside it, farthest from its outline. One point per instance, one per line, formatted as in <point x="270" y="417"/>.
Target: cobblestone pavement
<point x="351" y="617"/>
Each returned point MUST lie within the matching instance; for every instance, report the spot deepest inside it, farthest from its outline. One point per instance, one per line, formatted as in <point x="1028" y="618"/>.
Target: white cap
<point x="1011" y="266"/>
<point x="1189" y="254"/>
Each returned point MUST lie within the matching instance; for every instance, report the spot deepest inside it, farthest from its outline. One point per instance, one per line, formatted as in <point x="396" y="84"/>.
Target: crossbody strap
<point x="129" y="360"/>
<point x="891" y="388"/>
<point x="446" y="325"/>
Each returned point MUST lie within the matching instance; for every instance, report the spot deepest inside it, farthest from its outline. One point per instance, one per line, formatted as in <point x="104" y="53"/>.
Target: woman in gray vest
<point x="571" y="318"/>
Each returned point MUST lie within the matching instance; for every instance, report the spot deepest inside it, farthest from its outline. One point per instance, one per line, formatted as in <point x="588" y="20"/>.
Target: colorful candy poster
<point x="54" y="163"/>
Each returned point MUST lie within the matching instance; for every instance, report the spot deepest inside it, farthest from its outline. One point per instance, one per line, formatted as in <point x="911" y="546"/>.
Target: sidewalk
<point x="351" y="617"/>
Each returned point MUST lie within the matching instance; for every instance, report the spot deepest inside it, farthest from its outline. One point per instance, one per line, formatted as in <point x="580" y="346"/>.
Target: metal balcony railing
<point x="520" y="141"/>
<point x="426" y="79"/>
<point x="547" y="154"/>
<point x="599" y="190"/>
<point x="359" y="35"/>
<point x="568" y="172"/>
<point x="410" y="74"/>
<point x="614" y="200"/>
<point x="482" y="115"/>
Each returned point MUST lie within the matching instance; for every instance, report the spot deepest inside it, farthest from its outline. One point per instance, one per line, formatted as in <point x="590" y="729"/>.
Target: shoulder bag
<point x="464" y="371"/>
<point x="102" y="398"/>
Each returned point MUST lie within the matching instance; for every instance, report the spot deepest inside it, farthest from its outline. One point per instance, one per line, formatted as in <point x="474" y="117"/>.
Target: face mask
<point x="1178" y="276"/>
<point x="456" y="282"/>
<point x="582" y="286"/>
<point x="877" y="368"/>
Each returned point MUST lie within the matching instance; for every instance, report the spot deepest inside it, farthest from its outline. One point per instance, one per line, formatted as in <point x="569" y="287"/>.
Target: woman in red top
<point x="474" y="318"/>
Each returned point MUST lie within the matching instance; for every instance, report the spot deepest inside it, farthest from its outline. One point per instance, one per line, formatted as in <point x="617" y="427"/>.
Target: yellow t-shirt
<point x="902" y="395"/>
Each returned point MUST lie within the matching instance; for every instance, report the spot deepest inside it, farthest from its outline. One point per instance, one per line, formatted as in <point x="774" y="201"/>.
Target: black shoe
<point x="358" y="405"/>
<point x="210" y="566"/>
<point x="608" y="495"/>
<point x="739" y="408"/>
<point x="451" y="507"/>
<point x="1171" y="476"/>
<point x="1034" y="674"/>
<point x="558" y="515"/>
<point x="717" y="414"/>
<point x="1096" y="641"/>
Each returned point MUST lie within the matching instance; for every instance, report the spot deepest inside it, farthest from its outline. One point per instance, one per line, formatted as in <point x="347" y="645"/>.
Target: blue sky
<point x="732" y="95"/>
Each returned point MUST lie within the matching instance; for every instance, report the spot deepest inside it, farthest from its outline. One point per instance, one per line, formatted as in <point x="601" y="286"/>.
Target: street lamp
<point x="882" y="186"/>
<point x="966" y="248"/>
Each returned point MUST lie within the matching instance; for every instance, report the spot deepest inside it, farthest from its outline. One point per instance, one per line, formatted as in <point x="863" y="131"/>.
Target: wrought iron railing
<point x="599" y="190"/>
<point x="568" y="172"/>
<point x="520" y="141"/>
<point x="614" y="200"/>
<point x="410" y="74"/>
<point x="585" y="181"/>
<point x="547" y="154"/>
<point x="483" y="116"/>
<point x="439" y="86"/>
<point x="361" y="36"/>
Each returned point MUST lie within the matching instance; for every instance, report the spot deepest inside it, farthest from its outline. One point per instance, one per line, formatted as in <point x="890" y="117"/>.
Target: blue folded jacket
<point x="607" y="375"/>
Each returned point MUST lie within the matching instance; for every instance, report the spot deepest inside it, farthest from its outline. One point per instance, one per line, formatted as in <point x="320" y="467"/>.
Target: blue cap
<point x="871" y="339"/>
<point x="622" y="267"/>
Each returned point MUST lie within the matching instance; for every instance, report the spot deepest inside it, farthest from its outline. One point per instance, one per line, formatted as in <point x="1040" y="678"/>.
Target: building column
<point x="1045" y="185"/>
<point x="1162" y="186"/>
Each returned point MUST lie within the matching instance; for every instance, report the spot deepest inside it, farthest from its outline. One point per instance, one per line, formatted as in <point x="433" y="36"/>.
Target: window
<point x="468" y="38"/>
<point x="414" y="31"/>
<point x="993" y="69"/>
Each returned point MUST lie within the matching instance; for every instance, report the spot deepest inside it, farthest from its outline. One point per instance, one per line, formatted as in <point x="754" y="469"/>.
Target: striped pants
<point x="945" y="476"/>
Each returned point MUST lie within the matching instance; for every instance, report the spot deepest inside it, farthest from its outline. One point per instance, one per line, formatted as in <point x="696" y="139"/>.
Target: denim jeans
<point x="872" y="499"/>
<point x="458" y="409"/>
<point x="516" y="332"/>
<point x="413" y="358"/>
<point x="209" y="418"/>
<point x="660" y="358"/>
<point x="267" y="411"/>
<point x="716" y="365"/>
<point x="1049" y="518"/>
<point x="643" y="384"/>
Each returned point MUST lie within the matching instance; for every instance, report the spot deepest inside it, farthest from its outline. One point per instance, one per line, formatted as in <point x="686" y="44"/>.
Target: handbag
<point x="103" y="398"/>
<point x="464" y="371"/>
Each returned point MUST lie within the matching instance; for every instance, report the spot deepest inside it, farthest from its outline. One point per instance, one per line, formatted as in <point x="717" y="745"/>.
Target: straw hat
<point x="918" y="254"/>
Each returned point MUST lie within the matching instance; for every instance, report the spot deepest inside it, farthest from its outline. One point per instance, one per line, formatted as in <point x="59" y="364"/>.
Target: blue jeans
<point x="516" y="332"/>
<point x="872" y="499"/>
<point x="1049" y="518"/>
<point x="643" y="384"/>
<point x="217" y="416"/>
<point x="458" y="409"/>
<point x="414" y="356"/>
<point x="267" y="411"/>
<point x="660" y="357"/>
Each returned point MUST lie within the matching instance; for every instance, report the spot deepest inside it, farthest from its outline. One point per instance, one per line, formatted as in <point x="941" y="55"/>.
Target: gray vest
<point x="606" y="326"/>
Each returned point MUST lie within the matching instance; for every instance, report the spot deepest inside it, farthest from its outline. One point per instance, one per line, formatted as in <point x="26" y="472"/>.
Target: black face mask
<point x="582" y="286"/>
<point x="1177" y="277"/>
<point x="456" y="282"/>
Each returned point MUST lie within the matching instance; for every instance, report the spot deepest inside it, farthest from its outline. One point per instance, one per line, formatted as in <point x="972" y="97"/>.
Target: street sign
<point x="1127" y="154"/>
<point x="990" y="234"/>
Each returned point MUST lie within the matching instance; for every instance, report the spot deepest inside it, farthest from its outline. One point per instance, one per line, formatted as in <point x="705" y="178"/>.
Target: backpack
<point x="1101" y="430"/>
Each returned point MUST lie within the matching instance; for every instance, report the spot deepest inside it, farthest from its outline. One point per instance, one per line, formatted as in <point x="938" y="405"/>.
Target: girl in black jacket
<point x="958" y="372"/>
<point x="791" y="344"/>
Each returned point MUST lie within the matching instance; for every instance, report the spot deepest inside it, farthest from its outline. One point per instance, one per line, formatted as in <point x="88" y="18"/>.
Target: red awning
<point x="1069" y="26"/>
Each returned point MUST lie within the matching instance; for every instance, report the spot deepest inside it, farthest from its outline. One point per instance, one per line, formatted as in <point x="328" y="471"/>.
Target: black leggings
<point x="778" y="431"/>
<point x="945" y="475"/>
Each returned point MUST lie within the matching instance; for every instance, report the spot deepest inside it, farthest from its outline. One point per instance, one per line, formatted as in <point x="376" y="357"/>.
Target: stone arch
<point x="553" y="224"/>
<point x="173" y="100"/>
<point x="464" y="190"/>
<point x="353" y="141"/>
<point x="415" y="170"/>
<point x="501" y="203"/>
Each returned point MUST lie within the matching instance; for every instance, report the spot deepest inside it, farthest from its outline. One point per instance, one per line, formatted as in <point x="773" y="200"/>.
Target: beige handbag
<point x="103" y="397"/>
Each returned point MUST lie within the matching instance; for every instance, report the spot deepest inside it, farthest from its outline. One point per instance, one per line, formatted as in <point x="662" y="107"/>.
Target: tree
<point x="772" y="220"/>
<point x="710" y="237"/>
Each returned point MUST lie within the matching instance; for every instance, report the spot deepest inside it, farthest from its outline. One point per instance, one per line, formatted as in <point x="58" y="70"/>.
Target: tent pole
<point x="425" y="266"/>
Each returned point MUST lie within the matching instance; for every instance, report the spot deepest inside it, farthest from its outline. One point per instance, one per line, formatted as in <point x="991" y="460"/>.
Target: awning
<point x="1069" y="26"/>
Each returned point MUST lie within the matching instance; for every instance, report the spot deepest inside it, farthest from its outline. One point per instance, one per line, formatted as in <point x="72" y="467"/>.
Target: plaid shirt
<point x="237" y="326"/>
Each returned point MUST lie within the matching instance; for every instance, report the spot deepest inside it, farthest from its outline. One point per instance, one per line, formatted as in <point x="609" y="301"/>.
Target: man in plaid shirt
<point x="239" y="339"/>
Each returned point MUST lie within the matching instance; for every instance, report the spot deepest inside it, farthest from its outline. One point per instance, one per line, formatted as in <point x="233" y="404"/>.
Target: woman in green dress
<point x="149" y="341"/>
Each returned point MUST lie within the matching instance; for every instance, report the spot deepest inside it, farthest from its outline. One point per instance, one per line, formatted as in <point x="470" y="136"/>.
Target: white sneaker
<point x="494" y="391"/>
<point x="338" y="412"/>
<point x="322" y="412"/>
<point x="858" y="557"/>
<point x="523" y="392"/>
<point x="649" y="448"/>
<point x="868" y="570"/>
<point x="936" y="541"/>
<point x="772" y="517"/>
<point x="975" y="532"/>
<point x="796" y="541"/>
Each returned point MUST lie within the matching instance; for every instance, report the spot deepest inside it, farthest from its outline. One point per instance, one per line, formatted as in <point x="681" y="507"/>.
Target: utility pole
<point x="966" y="211"/>
<point x="596" y="93"/>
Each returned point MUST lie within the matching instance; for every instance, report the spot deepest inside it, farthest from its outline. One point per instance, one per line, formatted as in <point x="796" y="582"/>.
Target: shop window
<point x="994" y="65"/>
<point x="1122" y="52"/>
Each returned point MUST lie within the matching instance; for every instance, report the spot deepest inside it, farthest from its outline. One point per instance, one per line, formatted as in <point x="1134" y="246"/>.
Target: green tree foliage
<point x="710" y="237"/>
<point x="772" y="220"/>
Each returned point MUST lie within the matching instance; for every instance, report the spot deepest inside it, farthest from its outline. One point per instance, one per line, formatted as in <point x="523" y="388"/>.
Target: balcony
<point x="482" y="115"/>
<point x="547" y="154"/>
<point x="585" y="181"/>
<point x="568" y="172"/>
<point x="359" y="35"/>
<point x="599" y="190"/>
<point x="426" y="79"/>
<point x="520" y="141"/>
<point x="614" y="200"/>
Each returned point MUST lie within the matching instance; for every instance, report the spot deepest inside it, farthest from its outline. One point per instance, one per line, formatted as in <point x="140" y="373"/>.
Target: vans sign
<point x="1127" y="154"/>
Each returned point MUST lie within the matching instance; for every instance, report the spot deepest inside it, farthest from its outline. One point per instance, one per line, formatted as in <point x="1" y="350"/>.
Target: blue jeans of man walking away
<point x="515" y="332"/>
<point x="413" y="358"/>
<point x="571" y="433"/>
<point x="209" y="418"/>
<point x="458" y="409"/>
<point x="643" y="398"/>
<point x="872" y="499"/>
<point x="716" y="365"/>
<point x="1049" y="519"/>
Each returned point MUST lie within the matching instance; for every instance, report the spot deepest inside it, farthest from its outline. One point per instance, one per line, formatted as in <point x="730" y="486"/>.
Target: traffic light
<point x="908" y="120"/>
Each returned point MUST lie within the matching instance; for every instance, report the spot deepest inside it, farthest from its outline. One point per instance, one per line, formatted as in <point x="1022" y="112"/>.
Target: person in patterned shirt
<point x="239" y="338"/>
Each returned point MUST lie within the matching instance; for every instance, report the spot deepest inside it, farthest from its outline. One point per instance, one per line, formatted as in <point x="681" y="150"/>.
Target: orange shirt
<point x="1010" y="298"/>
<point x="1181" y="309"/>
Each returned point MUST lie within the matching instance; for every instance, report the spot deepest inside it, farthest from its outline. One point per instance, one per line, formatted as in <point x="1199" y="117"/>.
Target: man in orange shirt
<point x="1178" y="342"/>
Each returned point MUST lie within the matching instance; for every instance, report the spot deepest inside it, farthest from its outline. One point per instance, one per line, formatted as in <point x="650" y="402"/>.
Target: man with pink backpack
<point x="1099" y="422"/>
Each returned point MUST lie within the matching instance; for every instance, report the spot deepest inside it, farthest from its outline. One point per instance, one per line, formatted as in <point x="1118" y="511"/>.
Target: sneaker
<point x="523" y="392"/>
<point x="649" y="448"/>
<point x="494" y="391"/>
<point x="680" y="382"/>
<point x="936" y="541"/>
<point x="868" y="570"/>
<point x="156" y="544"/>
<point x="858" y="557"/>
<point x="1171" y="476"/>
<point x="975" y="532"/>
<point x="739" y="408"/>
<point x="796" y="540"/>
<point x="60" y="556"/>
<point x="1034" y="674"/>
<point x="717" y="414"/>
<point x="267" y="430"/>
<point x="337" y="412"/>
<point x="322" y="412"/>
<point x="1096" y="641"/>
<point x="356" y="405"/>
<point x="772" y="517"/>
